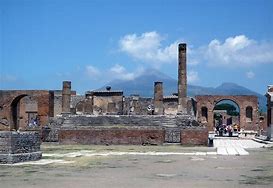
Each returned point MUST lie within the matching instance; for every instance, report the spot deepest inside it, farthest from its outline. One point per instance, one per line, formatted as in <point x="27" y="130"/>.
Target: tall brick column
<point x="182" y="79"/>
<point x="66" y="96"/>
<point x="158" y="98"/>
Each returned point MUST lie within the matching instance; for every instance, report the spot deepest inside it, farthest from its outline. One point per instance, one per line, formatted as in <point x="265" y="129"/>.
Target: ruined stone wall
<point x="170" y="106"/>
<point x="76" y="101"/>
<point x="118" y="129"/>
<point x="103" y="105"/>
<point x="19" y="146"/>
<point x="135" y="105"/>
<point x="127" y="120"/>
<point x="28" y="110"/>
<point x="125" y="135"/>
<point x="50" y="132"/>
<point x="194" y="136"/>
<point x="57" y="105"/>
<point x="243" y="101"/>
<point x="8" y="98"/>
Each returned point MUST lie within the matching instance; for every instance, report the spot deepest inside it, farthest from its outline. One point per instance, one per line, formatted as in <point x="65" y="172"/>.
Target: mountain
<point x="143" y="85"/>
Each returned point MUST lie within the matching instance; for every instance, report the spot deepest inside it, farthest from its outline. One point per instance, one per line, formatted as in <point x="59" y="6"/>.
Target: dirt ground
<point x="254" y="170"/>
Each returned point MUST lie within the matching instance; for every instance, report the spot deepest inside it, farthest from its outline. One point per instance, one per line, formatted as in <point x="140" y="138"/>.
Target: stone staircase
<point x="132" y="120"/>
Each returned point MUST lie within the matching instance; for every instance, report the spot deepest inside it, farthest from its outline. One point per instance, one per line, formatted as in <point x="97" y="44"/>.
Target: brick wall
<point x="112" y="136"/>
<point x="194" y="136"/>
<point x="8" y="98"/>
<point x="243" y="101"/>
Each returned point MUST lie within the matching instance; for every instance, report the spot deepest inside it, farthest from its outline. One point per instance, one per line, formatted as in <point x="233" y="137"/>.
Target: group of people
<point x="223" y="129"/>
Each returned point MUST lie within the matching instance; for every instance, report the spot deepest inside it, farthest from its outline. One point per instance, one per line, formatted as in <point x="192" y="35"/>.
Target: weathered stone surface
<point x="9" y="99"/>
<point x="150" y="136"/>
<point x="158" y="98"/>
<point x="66" y="97"/>
<point x="134" y="129"/>
<point x="20" y="157"/>
<point x="194" y="136"/>
<point x="243" y="101"/>
<point x="182" y="79"/>
<point x="19" y="146"/>
<point x="50" y="132"/>
<point x="172" y="135"/>
<point x="132" y="120"/>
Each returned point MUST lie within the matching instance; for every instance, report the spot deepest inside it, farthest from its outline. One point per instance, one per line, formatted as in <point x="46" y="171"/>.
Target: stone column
<point x="269" y="112"/>
<point x="182" y="79"/>
<point x="66" y="97"/>
<point x="158" y="98"/>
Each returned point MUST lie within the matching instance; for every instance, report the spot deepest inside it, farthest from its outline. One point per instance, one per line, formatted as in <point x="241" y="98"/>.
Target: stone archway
<point x="9" y="101"/>
<point x="15" y="111"/>
<point x="226" y="113"/>
<point x="243" y="101"/>
<point x="24" y="112"/>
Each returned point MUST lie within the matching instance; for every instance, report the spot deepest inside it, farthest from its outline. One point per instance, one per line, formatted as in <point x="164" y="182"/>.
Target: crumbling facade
<point x="108" y="117"/>
<point x="248" y="107"/>
<point x="17" y="107"/>
<point x="22" y="111"/>
<point x="111" y="102"/>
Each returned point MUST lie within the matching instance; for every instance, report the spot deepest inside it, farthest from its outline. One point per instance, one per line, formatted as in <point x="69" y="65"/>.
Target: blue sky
<point x="91" y="42"/>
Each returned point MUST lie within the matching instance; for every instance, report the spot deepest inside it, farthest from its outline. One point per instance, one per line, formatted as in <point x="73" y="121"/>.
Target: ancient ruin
<point x="24" y="111"/>
<point x="248" y="107"/>
<point x="108" y="117"/>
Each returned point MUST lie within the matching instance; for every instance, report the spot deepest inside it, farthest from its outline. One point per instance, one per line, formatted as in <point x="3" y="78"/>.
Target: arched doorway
<point x="24" y="112"/>
<point x="226" y="117"/>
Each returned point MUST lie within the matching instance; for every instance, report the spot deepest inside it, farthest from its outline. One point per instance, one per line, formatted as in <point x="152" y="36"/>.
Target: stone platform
<point x="122" y="129"/>
<point x="19" y="146"/>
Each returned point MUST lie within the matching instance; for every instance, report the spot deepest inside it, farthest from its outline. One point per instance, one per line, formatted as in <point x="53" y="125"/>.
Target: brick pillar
<point x="158" y="98"/>
<point x="66" y="97"/>
<point x="182" y="79"/>
<point x="269" y="112"/>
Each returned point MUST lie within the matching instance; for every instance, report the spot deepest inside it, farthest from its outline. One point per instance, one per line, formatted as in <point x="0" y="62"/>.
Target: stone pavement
<point x="225" y="146"/>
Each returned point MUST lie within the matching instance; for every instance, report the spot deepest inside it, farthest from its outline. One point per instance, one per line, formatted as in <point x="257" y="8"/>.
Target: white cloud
<point x="115" y="72"/>
<point x="118" y="69"/>
<point x="148" y="47"/>
<point x="250" y="74"/>
<point x="92" y="71"/>
<point x="119" y="72"/>
<point x="237" y="51"/>
<point x="192" y="76"/>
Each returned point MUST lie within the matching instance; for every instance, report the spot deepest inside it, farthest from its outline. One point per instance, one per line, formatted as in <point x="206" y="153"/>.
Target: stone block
<point x="19" y="146"/>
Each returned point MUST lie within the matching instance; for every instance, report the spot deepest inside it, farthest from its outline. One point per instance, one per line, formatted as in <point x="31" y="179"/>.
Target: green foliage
<point x="231" y="110"/>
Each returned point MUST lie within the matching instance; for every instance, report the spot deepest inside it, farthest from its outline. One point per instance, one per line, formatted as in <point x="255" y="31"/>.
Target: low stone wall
<point x="19" y="146"/>
<point x="135" y="136"/>
<point x="194" y="136"/>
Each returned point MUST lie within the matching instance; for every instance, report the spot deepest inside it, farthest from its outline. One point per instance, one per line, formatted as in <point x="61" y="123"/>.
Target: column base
<point x="20" y="157"/>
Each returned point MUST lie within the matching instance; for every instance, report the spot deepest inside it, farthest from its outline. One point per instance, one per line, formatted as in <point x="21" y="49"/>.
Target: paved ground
<point x="153" y="166"/>
<point x="226" y="146"/>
